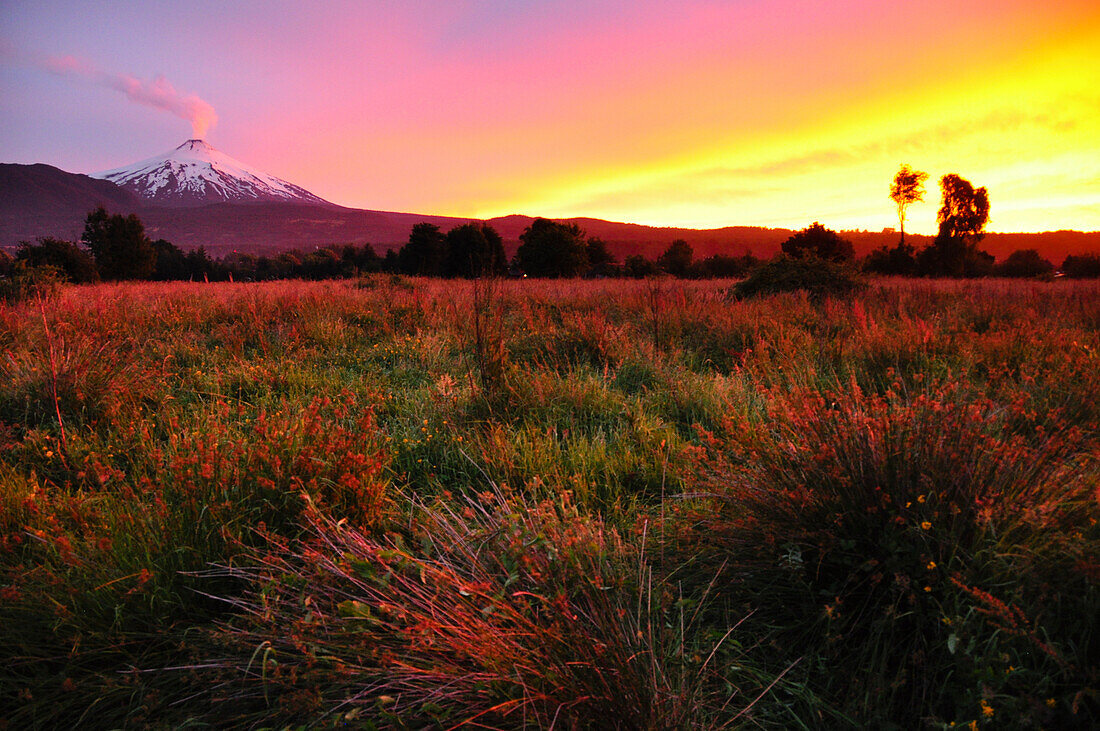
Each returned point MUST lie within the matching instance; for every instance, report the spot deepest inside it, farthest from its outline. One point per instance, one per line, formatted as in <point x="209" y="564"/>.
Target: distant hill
<point x="40" y="200"/>
<point x="263" y="228"/>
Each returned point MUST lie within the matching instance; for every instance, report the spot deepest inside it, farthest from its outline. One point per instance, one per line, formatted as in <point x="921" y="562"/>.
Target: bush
<point x="817" y="241"/>
<point x="1082" y="266"/>
<point x="818" y="277"/>
<point x="27" y="283"/>
<point x="76" y="264"/>
<point x="1025" y="264"/>
<point x="898" y="261"/>
<point x="637" y="266"/>
<point x="894" y="538"/>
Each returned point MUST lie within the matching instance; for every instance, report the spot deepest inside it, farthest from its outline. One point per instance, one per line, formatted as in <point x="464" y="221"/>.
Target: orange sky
<point x="697" y="114"/>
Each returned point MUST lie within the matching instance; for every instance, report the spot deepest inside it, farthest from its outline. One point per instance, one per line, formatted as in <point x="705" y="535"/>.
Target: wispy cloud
<point x="158" y="92"/>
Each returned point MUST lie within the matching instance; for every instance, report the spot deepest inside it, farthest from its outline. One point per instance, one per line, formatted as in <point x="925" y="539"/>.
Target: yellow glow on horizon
<point x="1027" y="129"/>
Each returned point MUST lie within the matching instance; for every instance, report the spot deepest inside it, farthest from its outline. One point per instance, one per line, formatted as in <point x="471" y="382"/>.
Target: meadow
<point x="409" y="503"/>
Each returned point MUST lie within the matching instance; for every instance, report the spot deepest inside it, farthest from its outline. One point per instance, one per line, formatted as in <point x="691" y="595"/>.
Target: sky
<point x="692" y="113"/>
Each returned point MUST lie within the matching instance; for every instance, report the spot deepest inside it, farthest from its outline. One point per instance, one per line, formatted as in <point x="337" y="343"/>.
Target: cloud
<point x="158" y="92"/>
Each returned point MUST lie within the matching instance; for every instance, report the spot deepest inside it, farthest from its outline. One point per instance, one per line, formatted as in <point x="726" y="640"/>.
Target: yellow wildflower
<point x="925" y="525"/>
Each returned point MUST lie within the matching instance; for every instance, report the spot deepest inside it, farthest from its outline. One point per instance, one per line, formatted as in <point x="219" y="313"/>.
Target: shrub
<point x="817" y="241"/>
<point x="76" y="264"/>
<point x="818" y="277"/>
<point x="1025" y="263"/>
<point x="1082" y="266"/>
<point x="27" y="283"/>
<point x="637" y="266"/>
<point x="896" y="537"/>
<point x="898" y="261"/>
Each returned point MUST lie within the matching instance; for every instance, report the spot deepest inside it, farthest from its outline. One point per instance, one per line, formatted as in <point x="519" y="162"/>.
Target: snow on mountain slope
<point x="195" y="174"/>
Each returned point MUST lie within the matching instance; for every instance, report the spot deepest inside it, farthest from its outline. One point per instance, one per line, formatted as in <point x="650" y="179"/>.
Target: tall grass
<point x="183" y="466"/>
<point x="494" y="610"/>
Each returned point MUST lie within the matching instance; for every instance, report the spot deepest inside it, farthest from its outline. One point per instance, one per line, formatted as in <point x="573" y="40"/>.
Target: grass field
<point x="395" y="503"/>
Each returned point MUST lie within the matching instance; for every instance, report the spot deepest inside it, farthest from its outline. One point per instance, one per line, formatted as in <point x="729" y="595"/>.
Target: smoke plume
<point x="157" y="92"/>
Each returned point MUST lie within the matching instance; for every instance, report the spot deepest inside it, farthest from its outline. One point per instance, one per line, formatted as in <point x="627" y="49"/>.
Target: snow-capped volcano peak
<point x="195" y="174"/>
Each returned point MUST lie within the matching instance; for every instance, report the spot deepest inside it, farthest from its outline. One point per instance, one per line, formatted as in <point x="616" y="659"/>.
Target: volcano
<point x="195" y="174"/>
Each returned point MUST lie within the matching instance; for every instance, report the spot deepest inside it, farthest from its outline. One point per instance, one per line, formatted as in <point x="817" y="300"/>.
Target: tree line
<point x="114" y="247"/>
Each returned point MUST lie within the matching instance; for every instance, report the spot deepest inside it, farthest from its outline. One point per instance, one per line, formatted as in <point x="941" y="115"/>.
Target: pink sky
<point x="691" y="113"/>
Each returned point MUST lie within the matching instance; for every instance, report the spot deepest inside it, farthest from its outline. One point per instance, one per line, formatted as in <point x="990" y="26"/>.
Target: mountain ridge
<point x="42" y="200"/>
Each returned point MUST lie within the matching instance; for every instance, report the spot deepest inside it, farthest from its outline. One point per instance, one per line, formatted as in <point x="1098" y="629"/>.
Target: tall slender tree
<point x="907" y="189"/>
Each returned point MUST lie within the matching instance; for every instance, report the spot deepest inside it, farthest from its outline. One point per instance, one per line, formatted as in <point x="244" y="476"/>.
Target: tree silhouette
<point x="898" y="260"/>
<point x="423" y="254"/>
<point x="1025" y="263"/>
<point x="76" y="263"/>
<point x="638" y="267"/>
<point x="552" y="249"/>
<point x="961" y="218"/>
<point x="119" y="245"/>
<point x="907" y="189"/>
<point x="965" y="209"/>
<point x="676" y="259"/>
<point x="1082" y="266"/>
<point x="473" y="250"/>
<point x="600" y="260"/>
<point x="816" y="240"/>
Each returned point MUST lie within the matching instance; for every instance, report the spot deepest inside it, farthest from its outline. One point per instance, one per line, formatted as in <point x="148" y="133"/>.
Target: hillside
<point x="41" y="200"/>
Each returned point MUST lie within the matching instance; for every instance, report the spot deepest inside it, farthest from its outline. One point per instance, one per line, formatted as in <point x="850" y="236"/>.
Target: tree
<point x="391" y="262"/>
<point x="600" y="260"/>
<point x="816" y="240"/>
<point x="961" y="218"/>
<point x="74" y="262"/>
<point x="637" y="266"/>
<point x="423" y="254"/>
<point x="898" y="260"/>
<point x="552" y="249"/>
<point x="907" y="189"/>
<point x="473" y="250"/>
<point x="1025" y="264"/>
<point x="676" y="259"/>
<point x="360" y="259"/>
<point x="723" y="266"/>
<point x="119" y="245"/>
<point x="201" y="266"/>
<point x="171" y="262"/>
<point x="1082" y="266"/>
<point x="965" y="210"/>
